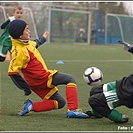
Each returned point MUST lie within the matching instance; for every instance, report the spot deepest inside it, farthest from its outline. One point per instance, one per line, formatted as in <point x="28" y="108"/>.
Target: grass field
<point x="111" y="59"/>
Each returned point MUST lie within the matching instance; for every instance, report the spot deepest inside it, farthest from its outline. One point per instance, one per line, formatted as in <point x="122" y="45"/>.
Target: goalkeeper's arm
<point x="130" y="49"/>
<point x="5" y="24"/>
<point x="20" y="83"/>
<point x="126" y="46"/>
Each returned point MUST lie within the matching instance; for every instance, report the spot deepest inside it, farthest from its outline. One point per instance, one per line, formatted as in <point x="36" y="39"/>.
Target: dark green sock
<point x="115" y="116"/>
<point x="92" y="111"/>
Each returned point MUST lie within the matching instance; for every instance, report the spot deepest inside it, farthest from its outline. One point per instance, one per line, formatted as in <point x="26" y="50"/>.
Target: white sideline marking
<point x="92" y="60"/>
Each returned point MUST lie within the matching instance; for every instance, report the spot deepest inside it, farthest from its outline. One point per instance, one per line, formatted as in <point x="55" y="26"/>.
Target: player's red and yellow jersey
<point x="27" y="59"/>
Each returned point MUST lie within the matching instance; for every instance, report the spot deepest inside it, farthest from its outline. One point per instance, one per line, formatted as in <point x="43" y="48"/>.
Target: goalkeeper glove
<point x="131" y="49"/>
<point x="12" y="18"/>
<point x="126" y="46"/>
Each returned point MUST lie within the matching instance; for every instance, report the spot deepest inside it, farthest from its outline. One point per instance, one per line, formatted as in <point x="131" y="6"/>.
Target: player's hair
<point x="17" y="7"/>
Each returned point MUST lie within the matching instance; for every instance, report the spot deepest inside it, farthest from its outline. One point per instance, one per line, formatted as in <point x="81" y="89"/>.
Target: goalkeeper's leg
<point x="99" y="104"/>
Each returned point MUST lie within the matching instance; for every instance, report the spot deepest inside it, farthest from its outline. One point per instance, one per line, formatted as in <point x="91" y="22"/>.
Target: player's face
<point x="26" y="34"/>
<point x="18" y="13"/>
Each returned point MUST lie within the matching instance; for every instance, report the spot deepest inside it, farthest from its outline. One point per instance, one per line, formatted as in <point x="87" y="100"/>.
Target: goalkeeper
<point x="106" y="97"/>
<point x="37" y="77"/>
<point x="5" y="42"/>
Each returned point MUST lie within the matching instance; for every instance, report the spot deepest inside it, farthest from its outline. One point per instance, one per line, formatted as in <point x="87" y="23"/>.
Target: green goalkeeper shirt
<point x="124" y="89"/>
<point x="5" y="40"/>
<point x="109" y="91"/>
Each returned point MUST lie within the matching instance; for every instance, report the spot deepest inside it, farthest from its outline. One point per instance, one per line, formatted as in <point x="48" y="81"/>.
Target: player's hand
<point x="126" y="46"/>
<point x="46" y="34"/>
<point x="8" y="15"/>
<point x="10" y="18"/>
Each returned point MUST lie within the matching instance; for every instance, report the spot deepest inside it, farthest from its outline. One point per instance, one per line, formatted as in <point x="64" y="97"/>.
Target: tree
<point x="112" y="7"/>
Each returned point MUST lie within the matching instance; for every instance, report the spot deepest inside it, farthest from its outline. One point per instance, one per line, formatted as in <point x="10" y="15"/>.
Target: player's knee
<point x="92" y="102"/>
<point x="72" y="79"/>
<point x="61" y="103"/>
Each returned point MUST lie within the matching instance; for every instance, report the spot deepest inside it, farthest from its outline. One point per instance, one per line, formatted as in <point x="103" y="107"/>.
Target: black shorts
<point x="98" y="102"/>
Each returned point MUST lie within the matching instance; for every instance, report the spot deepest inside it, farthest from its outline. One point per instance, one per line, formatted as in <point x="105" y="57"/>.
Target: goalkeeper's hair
<point x="17" y="7"/>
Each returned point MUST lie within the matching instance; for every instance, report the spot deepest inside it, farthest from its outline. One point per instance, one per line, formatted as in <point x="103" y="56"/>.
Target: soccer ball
<point x="93" y="76"/>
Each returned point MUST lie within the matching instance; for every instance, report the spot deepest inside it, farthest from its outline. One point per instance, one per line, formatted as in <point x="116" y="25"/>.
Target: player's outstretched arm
<point x="42" y="39"/>
<point x="131" y="49"/>
<point x="3" y="25"/>
<point x="126" y="46"/>
<point x="46" y="34"/>
<point x="10" y="18"/>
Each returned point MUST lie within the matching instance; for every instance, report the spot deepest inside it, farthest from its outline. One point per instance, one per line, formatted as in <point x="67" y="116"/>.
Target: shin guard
<point x="72" y="96"/>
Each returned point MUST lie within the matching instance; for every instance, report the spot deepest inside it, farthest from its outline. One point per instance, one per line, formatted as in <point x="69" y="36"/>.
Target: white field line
<point x="92" y="60"/>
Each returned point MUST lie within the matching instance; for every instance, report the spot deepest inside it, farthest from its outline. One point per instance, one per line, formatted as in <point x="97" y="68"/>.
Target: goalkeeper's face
<point x="26" y="34"/>
<point x="18" y="13"/>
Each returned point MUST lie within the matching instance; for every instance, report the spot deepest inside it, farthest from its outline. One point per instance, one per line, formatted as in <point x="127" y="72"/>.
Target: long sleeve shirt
<point x="27" y="59"/>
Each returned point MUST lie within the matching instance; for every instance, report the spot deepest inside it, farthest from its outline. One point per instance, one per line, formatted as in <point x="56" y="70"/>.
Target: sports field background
<point x="111" y="59"/>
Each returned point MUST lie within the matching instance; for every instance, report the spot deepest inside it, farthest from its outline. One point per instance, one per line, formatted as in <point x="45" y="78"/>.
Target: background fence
<point x="113" y="27"/>
<point x="28" y="17"/>
<point x="69" y="25"/>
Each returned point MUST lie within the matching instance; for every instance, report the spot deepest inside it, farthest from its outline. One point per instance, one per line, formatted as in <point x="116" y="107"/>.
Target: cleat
<point x="76" y="114"/>
<point x="26" y="108"/>
<point x="124" y="119"/>
<point x="88" y="112"/>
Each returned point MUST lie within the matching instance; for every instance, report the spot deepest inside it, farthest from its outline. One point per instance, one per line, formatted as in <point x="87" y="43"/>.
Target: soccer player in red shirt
<point x="37" y="77"/>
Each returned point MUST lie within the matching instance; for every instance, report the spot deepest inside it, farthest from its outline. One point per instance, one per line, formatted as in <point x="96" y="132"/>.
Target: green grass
<point x="111" y="59"/>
